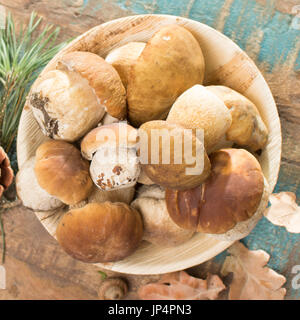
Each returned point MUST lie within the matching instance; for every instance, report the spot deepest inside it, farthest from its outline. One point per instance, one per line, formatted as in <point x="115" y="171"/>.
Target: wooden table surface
<point x="269" y="31"/>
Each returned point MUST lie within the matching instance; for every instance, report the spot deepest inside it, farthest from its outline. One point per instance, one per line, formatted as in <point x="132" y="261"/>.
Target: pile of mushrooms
<point x="95" y="112"/>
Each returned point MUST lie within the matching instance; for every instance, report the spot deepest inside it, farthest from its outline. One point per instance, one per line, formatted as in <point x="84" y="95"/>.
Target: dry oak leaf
<point x="284" y="211"/>
<point x="181" y="286"/>
<point x="252" y="279"/>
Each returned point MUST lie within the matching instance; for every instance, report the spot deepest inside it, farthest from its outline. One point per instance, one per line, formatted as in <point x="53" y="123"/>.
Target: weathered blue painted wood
<point x="242" y="21"/>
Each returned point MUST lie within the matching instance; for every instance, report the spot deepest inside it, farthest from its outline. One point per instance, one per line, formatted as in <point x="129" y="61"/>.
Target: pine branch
<point x="22" y="56"/>
<point x="21" y="59"/>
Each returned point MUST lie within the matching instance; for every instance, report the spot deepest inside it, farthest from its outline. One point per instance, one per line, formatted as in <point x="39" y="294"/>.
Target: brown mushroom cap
<point x="243" y="228"/>
<point x="173" y="174"/>
<point x="198" y="108"/>
<point x="108" y="135"/>
<point x="6" y="172"/>
<point x="231" y="194"/>
<point x="102" y="77"/>
<point x="171" y="62"/>
<point x="123" y="58"/>
<point x="100" y="232"/>
<point x="61" y="171"/>
<point x="247" y="128"/>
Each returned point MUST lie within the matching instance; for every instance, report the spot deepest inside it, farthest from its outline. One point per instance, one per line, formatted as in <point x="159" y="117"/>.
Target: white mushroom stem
<point x="115" y="168"/>
<point x="159" y="228"/>
<point x="30" y="192"/>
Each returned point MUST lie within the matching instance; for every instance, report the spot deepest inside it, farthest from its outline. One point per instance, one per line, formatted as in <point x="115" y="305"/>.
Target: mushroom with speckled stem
<point x="71" y="99"/>
<point x="112" y="151"/>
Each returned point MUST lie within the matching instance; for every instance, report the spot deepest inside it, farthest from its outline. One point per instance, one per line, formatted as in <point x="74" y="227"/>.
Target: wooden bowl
<point x="226" y="64"/>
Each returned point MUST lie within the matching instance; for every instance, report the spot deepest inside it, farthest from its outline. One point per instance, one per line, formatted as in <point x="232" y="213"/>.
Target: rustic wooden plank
<point x="73" y="17"/>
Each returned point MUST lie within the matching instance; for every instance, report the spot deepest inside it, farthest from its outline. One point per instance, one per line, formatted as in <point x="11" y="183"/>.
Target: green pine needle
<point x="22" y="56"/>
<point x="103" y="274"/>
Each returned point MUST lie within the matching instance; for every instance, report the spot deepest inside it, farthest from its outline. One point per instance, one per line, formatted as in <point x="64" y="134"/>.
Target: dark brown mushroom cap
<point x="6" y="172"/>
<point x="230" y="195"/>
<point x="100" y="232"/>
<point x="62" y="172"/>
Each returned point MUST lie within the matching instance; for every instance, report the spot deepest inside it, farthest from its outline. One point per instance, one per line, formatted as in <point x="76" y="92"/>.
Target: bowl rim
<point x="223" y="245"/>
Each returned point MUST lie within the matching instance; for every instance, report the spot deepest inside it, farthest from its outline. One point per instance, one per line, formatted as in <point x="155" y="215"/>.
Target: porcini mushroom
<point x="170" y="63"/>
<point x="124" y="57"/>
<point x="112" y="149"/>
<point x="229" y="203"/>
<point x="31" y="193"/>
<point x="102" y="77"/>
<point x="159" y="228"/>
<point x="172" y="156"/>
<point x="100" y="232"/>
<point x="62" y="172"/>
<point x="71" y="100"/>
<point x="6" y="172"/>
<point x="199" y="108"/>
<point x="247" y="128"/>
